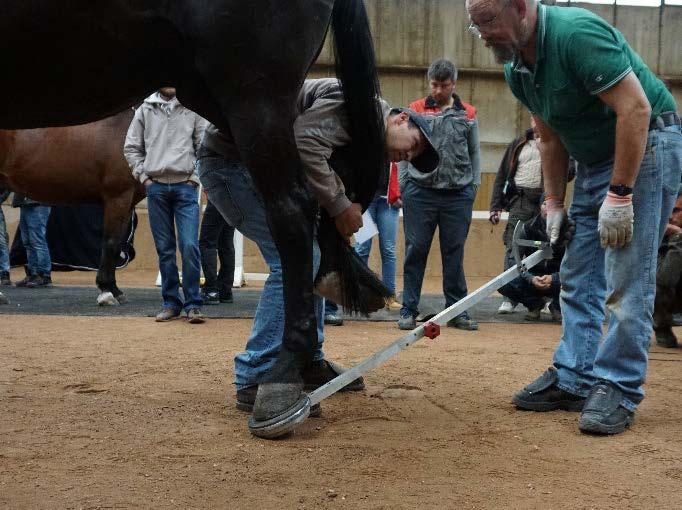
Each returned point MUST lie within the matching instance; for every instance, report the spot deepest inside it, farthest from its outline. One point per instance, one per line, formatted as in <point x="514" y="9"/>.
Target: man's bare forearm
<point x="631" y="135"/>
<point x="554" y="167"/>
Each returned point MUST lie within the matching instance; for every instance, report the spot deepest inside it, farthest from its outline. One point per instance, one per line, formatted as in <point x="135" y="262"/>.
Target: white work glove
<point x="556" y="216"/>
<point x="616" y="221"/>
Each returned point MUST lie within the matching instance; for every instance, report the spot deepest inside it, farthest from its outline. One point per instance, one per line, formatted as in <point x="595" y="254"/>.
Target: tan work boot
<point x="393" y="305"/>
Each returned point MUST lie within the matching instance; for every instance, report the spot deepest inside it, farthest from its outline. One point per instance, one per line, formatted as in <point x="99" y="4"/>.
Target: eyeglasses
<point x="476" y="29"/>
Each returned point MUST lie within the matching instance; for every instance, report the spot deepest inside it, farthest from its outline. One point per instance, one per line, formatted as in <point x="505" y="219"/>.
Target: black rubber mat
<point x="81" y="301"/>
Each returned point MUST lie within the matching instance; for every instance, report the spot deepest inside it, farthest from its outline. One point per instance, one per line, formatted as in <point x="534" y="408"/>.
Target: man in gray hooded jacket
<point x="161" y="150"/>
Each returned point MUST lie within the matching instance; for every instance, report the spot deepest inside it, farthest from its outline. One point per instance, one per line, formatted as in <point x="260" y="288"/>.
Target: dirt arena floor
<point x="127" y="413"/>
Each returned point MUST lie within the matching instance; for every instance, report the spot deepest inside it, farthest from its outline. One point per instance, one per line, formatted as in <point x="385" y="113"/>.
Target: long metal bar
<point x="405" y="341"/>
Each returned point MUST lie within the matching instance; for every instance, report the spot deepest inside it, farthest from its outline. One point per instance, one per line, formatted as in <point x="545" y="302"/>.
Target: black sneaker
<point x="210" y="298"/>
<point x="226" y="298"/>
<point x="463" y="322"/>
<point x="544" y="395"/>
<point x="322" y="371"/>
<point x="603" y="412"/>
<point x="4" y="278"/>
<point x="24" y="281"/>
<point x="247" y="396"/>
<point x="39" y="281"/>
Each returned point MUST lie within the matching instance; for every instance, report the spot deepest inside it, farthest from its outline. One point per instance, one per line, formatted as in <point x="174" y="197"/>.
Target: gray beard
<point x="503" y="54"/>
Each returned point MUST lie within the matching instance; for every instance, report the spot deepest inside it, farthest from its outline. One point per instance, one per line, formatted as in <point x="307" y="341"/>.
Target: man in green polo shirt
<point x="594" y="98"/>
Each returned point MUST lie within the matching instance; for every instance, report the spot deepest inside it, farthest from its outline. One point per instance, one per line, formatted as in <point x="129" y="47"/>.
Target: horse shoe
<point x="107" y="299"/>
<point x="282" y="424"/>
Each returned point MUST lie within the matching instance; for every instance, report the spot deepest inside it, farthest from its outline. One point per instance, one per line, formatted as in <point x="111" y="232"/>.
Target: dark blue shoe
<point x="603" y="412"/>
<point x="543" y="394"/>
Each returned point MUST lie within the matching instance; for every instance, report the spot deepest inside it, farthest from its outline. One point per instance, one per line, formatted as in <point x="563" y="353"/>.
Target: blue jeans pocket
<point x="218" y="182"/>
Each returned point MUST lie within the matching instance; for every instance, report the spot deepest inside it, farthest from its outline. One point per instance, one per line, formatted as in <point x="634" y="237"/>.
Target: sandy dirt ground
<point x="127" y="413"/>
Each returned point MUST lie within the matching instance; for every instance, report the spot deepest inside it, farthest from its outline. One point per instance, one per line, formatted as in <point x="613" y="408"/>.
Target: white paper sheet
<point x="368" y="230"/>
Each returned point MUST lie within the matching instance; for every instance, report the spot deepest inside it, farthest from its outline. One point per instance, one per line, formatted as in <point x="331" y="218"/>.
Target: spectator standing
<point x="669" y="278"/>
<point x="161" y="150"/>
<point x="216" y="241"/>
<point x="595" y="99"/>
<point x="4" y="243"/>
<point x="442" y="198"/>
<point x="517" y="189"/>
<point x="33" y="218"/>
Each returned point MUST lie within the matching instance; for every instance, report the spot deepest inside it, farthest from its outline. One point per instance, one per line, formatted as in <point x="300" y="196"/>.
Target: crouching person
<point x="669" y="279"/>
<point x="533" y="287"/>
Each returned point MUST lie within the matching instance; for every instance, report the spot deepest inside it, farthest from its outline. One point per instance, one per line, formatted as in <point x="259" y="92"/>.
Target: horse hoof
<point x="282" y="424"/>
<point x="106" y="299"/>
<point x="122" y="299"/>
<point x="3" y="299"/>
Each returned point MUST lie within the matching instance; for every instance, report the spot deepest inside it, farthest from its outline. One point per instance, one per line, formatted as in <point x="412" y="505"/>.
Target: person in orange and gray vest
<point x="443" y="198"/>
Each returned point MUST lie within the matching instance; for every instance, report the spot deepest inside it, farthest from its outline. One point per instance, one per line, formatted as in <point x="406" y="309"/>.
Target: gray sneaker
<point x="194" y="316"/>
<point x="167" y="314"/>
<point x="407" y="322"/>
<point x="463" y="322"/>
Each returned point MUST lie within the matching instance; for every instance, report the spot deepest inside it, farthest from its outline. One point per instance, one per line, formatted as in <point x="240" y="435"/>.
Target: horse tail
<point x="356" y="69"/>
<point x="343" y="276"/>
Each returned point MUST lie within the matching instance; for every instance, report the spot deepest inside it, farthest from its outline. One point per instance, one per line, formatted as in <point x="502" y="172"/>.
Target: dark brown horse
<point x="239" y="64"/>
<point x="78" y="165"/>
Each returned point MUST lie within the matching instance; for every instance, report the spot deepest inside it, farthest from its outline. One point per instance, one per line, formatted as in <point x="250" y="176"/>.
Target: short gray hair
<point x="442" y="70"/>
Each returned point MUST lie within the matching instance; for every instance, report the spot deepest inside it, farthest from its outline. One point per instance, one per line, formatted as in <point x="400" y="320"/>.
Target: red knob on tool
<point x="432" y="330"/>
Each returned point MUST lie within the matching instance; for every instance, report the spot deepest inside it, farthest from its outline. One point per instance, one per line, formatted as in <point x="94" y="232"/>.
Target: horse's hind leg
<point x="116" y="217"/>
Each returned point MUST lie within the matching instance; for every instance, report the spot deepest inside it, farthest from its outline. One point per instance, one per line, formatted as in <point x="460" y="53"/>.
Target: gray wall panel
<point x="639" y="25"/>
<point x="671" y="41"/>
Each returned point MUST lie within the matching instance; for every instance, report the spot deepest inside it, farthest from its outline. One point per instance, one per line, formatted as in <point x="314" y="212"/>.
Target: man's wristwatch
<point x="620" y="189"/>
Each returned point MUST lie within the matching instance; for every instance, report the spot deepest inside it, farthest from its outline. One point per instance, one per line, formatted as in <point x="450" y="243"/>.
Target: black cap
<point x="428" y="160"/>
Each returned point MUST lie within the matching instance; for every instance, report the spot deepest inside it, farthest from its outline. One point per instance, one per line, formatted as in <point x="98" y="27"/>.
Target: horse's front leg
<point x="274" y="164"/>
<point x="116" y="216"/>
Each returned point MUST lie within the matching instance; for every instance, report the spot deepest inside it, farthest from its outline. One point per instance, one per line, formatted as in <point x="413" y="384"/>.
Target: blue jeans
<point x="172" y="206"/>
<point x="33" y="227"/>
<point x="386" y="218"/>
<point x="232" y="190"/>
<point x="622" y="280"/>
<point x="4" y="243"/>
<point x="423" y="210"/>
